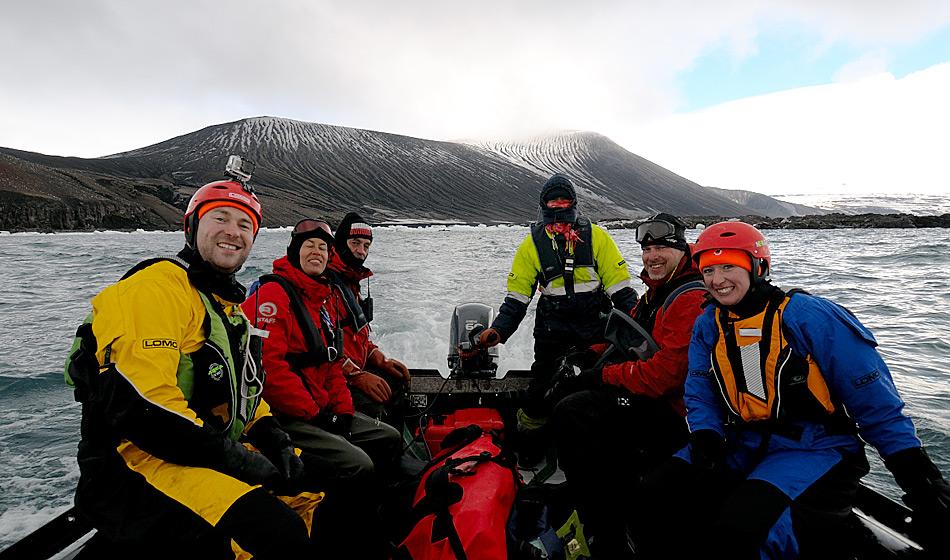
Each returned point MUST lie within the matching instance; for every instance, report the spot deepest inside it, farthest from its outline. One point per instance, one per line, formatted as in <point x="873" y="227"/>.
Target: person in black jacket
<point x="580" y="273"/>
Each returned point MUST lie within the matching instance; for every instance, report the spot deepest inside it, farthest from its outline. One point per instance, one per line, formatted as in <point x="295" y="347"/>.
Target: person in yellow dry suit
<point x="179" y="454"/>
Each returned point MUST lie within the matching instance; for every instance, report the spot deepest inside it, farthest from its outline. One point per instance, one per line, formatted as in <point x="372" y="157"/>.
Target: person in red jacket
<point x="305" y="383"/>
<point x="375" y="380"/>
<point x="630" y="415"/>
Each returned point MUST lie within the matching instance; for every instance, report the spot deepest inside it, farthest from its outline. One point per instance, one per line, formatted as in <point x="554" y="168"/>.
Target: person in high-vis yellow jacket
<point x="580" y="273"/>
<point x="179" y="454"/>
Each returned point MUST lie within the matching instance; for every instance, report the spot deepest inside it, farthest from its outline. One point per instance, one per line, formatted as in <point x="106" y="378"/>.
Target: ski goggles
<point x="309" y="225"/>
<point x="656" y="230"/>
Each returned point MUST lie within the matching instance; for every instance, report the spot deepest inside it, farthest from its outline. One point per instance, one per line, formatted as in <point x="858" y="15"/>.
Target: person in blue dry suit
<point x="781" y="390"/>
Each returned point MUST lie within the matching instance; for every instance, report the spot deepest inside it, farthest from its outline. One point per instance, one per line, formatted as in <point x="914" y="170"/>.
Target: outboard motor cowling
<point x="465" y="359"/>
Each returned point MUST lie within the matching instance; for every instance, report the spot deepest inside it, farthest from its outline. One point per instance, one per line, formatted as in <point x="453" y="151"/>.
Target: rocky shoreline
<point x="823" y="221"/>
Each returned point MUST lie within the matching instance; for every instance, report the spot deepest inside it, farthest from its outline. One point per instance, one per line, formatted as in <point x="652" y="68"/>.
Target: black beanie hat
<point x="297" y="239"/>
<point x="558" y="186"/>
<point x="677" y="240"/>
<point x="352" y="225"/>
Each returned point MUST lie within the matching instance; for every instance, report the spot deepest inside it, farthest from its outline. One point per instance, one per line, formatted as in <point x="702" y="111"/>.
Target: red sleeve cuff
<point x="613" y="374"/>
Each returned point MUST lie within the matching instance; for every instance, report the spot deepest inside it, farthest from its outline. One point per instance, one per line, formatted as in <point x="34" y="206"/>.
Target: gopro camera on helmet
<point x="239" y="168"/>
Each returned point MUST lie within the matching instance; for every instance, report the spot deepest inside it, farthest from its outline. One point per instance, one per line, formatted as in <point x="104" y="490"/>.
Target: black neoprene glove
<point x="339" y="424"/>
<point x="569" y="382"/>
<point x="625" y="299"/>
<point x="591" y="378"/>
<point x="267" y="435"/>
<point x="707" y="449"/>
<point x="927" y="494"/>
<point x="246" y="465"/>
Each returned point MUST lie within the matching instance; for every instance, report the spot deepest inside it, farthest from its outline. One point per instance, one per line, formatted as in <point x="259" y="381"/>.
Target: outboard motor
<point x="465" y="359"/>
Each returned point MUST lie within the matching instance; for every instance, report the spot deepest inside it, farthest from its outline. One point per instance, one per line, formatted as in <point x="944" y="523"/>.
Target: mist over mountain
<point x="309" y="169"/>
<point x="764" y="205"/>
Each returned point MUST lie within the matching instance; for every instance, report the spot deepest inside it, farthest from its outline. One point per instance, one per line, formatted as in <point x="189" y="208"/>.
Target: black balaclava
<point x="755" y="300"/>
<point x="352" y="225"/>
<point x="558" y="186"/>
<point x="208" y="279"/>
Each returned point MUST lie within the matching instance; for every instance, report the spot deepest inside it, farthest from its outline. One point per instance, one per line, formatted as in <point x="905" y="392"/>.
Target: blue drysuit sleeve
<point x="856" y="375"/>
<point x="704" y="407"/>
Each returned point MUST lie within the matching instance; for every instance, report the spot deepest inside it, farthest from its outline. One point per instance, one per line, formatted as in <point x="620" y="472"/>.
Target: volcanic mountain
<point x="310" y="169"/>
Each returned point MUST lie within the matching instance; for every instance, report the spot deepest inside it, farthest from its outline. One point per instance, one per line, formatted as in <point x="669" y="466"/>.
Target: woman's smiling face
<point x="727" y="283"/>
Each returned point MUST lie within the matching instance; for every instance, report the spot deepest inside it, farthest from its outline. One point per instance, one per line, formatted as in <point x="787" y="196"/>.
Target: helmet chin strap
<point x="191" y="230"/>
<point x="762" y="271"/>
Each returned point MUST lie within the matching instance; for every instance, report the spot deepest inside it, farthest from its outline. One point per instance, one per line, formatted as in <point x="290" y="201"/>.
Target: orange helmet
<point x="220" y="193"/>
<point x="736" y="235"/>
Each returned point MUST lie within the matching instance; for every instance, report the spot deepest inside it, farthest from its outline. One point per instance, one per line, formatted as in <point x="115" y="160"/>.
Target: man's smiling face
<point x="225" y="237"/>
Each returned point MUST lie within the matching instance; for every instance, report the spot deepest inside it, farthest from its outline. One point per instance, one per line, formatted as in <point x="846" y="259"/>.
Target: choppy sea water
<point x="896" y="281"/>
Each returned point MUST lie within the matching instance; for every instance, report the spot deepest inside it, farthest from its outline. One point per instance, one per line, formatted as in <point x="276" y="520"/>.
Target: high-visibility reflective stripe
<point x="617" y="287"/>
<point x="751" y="370"/>
<point x="519" y="297"/>
<point x="583" y="287"/>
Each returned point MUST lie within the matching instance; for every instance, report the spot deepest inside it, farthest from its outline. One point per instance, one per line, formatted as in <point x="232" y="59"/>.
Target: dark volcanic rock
<point x="308" y="169"/>
<point x="829" y="221"/>
<point x="837" y="220"/>
<point x="37" y="197"/>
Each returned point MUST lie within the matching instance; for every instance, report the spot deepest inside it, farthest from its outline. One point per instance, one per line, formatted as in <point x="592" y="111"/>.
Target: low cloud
<point x="102" y="76"/>
<point x="873" y="135"/>
<point x="870" y="64"/>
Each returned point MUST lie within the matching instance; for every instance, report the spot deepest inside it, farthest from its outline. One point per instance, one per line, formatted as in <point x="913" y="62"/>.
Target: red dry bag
<point x="462" y="504"/>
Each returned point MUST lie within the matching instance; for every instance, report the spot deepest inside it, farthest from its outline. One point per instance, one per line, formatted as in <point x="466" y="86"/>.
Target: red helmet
<point x="223" y="193"/>
<point x="736" y="235"/>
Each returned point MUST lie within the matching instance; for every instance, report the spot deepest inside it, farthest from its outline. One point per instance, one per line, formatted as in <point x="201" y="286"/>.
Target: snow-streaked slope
<point x="763" y="205"/>
<point x="310" y="169"/>
<point x="325" y="168"/>
<point x="608" y="176"/>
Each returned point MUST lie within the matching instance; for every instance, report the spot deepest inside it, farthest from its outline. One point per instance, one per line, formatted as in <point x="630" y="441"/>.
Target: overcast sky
<point x="776" y="97"/>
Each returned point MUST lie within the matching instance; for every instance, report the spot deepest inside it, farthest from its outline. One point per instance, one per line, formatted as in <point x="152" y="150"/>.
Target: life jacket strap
<point x="569" y="275"/>
<point x="317" y="351"/>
